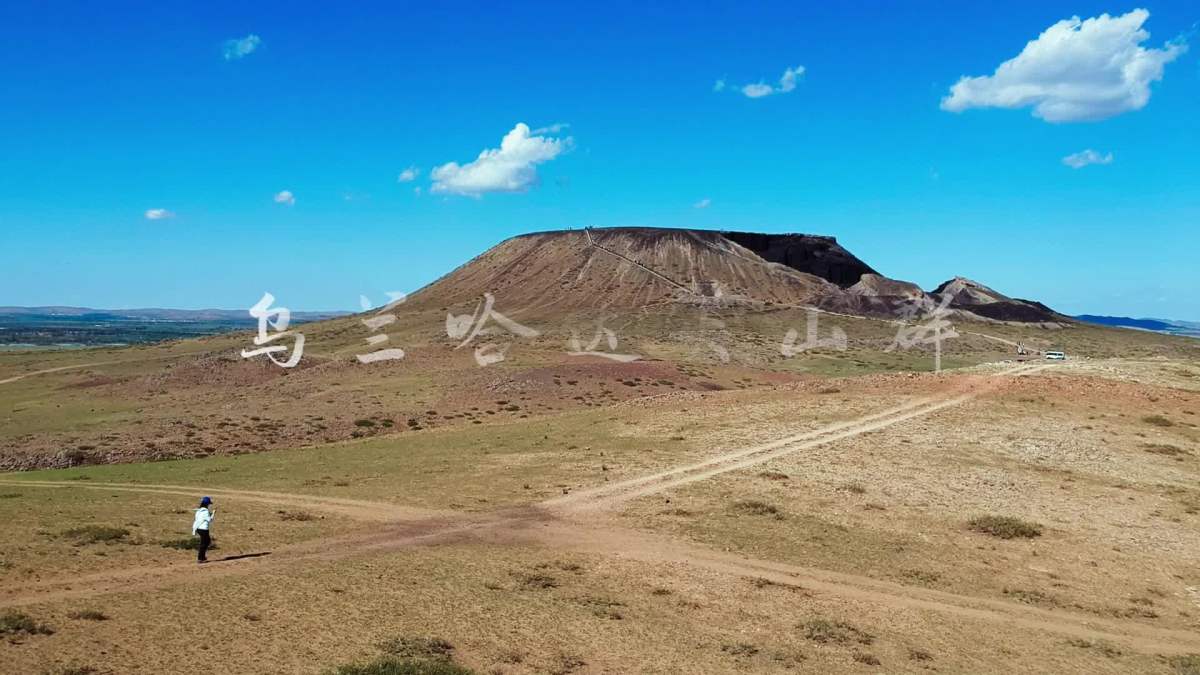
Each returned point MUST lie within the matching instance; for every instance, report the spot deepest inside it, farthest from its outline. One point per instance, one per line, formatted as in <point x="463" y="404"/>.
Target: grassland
<point x="555" y="515"/>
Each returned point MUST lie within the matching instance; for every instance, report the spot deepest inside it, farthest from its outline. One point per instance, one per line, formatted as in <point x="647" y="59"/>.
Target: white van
<point x="1056" y="356"/>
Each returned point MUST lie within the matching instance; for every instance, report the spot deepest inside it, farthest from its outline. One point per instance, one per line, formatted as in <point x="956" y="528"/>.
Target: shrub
<point x="740" y="649"/>
<point x="838" y="632"/>
<point x="88" y="615"/>
<point x="74" y="670"/>
<point x="756" y="507"/>
<point x="1101" y="646"/>
<point x="296" y="515"/>
<point x="854" y="488"/>
<point x="391" y="665"/>
<point x="13" y="622"/>
<point x="407" y="647"/>
<point x="1005" y="527"/>
<point x="1186" y="664"/>
<point x="93" y="534"/>
<point x="1164" y="449"/>
<point x="537" y="580"/>
<point x="865" y="658"/>
<point x="1158" y="421"/>
<point x="773" y="475"/>
<point x="919" y="655"/>
<point x="364" y="423"/>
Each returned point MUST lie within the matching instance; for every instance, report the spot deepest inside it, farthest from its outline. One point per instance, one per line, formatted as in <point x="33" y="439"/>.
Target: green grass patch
<point x="1185" y="664"/>
<point x="391" y="665"/>
<point x="756" y="507"/>
<point x="13" y="622"/>
<point x="406" y="647"/>
<point x="88" y="615"/>
<point x="835" y="632"/>
<point x="95" y="534"/>
<point x="1005" y="527"/>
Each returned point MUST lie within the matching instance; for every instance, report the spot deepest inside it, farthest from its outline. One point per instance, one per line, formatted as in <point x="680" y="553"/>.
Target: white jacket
<point x="203" y="519"/>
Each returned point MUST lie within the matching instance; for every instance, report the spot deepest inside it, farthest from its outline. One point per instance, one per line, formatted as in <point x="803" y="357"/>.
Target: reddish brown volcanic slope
<point x="627" y="268"/>
<point x="634" y="268"/>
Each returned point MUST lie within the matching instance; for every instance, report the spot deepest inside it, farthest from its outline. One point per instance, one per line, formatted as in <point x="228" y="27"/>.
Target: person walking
<point x="204" y="518"/>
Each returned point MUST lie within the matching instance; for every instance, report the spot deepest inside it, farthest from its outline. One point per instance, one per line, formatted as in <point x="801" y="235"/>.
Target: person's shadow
<point x="241" y="556"/>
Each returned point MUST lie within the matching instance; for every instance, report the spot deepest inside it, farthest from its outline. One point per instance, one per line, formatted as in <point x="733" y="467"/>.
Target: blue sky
<point x="109" y="110"/>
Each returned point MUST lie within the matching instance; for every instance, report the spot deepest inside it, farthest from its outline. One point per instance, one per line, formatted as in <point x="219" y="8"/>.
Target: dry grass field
<point x="673" y="516"/>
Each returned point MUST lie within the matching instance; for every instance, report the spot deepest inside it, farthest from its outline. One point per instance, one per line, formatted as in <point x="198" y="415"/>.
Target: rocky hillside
<point x="633" y="268"/>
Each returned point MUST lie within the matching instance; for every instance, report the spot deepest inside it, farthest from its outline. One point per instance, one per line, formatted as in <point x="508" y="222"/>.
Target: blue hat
<point x="205" y="501"/>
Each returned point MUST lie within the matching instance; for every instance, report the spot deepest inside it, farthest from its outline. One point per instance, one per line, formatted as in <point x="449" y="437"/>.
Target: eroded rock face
<point x="811" y="254"/>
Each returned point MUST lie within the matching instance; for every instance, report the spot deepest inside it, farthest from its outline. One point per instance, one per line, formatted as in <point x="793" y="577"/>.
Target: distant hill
<point x="85" y="326"/>
<point x="150" y="314"/>
<point x="1189" y="328"/>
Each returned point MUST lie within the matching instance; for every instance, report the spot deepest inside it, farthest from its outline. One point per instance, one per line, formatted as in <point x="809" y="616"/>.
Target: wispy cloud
<point x="408" y="175"/>
<point x="1074" y="71"/>
<point x="556" y="128"/>
<point x="787" y="82"/>
<point x="703" y="203"/>
<point x="233" y="50"/>
<point x="285" y="197"/>
<point x="1079" y="160"/>
<point x="510" y="168"/>
<point x="158" y="214"/>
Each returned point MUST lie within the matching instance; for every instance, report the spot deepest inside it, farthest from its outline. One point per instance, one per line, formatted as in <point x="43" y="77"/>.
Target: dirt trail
<point x="613" y="494"/>
<point x="95" y="364"/>
<point x="55" y="370"/>
<point x="354" y="508"/>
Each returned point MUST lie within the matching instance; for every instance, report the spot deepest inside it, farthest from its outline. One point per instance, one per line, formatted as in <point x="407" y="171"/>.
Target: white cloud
<point x="236" y="49"/>
<point x="285" y="197"/>
<point x="719" y="85"/>
<point x="757" y="90"/>
<point x="510" y="168"/>
<point x="703" y="203"/>
<point x="1074" y="71"/>
<point x="408" y="175"/>
<point x="1079" y="160"/>
<point x="158" y="214"/>
<point x="787" y="82"/>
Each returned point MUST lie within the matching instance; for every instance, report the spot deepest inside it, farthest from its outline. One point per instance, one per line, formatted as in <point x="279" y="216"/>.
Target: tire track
<point x="610" y="495"/>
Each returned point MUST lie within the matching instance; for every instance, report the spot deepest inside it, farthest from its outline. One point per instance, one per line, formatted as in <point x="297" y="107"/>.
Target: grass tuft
<point x="408" y="647"/>
<point x="756" y="507"/>
<point x="1158" y="421"/>
<point x="837" y="632"/>
<point x="13" y="622"/>
<point x="1186" y="664"/>
<point x="95" y="534"/>
<point x="296" y="515"/>
<point x="89" y="615"/>
<point x="1005" y="527"/>
<point x="391" y="665"/>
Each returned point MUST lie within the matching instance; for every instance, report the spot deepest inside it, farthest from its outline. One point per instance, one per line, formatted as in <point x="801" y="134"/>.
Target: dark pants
<point x="205" y="542"/>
